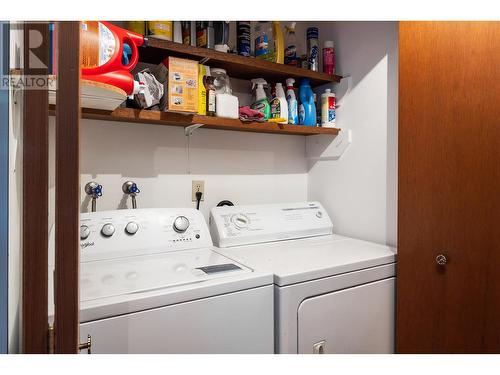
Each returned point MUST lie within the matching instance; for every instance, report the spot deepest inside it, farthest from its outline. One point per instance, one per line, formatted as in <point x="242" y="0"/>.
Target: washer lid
<point x="303" y="260"/>
<point x="137" y="274"/>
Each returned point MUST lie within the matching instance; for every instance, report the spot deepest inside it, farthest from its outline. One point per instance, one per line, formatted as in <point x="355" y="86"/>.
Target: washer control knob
<point x="84" y="232"/>
<point x="181" y="224"/>
<point x="108" y="230"/>
<point x="240" y="221"/>
<point x="132" y="227"/>
<point x="319" y="214"/>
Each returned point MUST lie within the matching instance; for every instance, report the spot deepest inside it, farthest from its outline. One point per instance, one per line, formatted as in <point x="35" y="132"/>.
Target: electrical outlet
<point x="198" y="186"/>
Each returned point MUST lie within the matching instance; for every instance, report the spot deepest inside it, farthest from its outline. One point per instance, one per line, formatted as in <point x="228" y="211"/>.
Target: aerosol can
<point x="260" y="102"/>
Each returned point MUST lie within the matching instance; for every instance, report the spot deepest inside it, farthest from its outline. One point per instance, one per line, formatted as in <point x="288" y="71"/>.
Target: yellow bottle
<point x="161" y="29"/>
<point x="138" y="27"/>
<point x="279" y="43"/>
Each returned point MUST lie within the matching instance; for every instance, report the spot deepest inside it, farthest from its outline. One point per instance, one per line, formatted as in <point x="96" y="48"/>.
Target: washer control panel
<point x="243" y="225"/>
<point x="120" y="233"/>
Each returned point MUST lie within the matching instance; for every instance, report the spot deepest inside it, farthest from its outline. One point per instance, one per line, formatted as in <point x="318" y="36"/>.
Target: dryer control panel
<point x="122" y="233"/>
<point x="243" y="225"/>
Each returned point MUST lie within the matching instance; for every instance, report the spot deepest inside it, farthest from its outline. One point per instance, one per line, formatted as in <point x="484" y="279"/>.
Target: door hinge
<point x="51" y="339"/>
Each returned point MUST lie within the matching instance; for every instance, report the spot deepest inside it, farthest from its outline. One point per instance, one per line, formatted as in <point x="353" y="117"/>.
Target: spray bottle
<point x="260" y="102"/>
<point x="293" y="117"/>
<point x="279" y="106"/>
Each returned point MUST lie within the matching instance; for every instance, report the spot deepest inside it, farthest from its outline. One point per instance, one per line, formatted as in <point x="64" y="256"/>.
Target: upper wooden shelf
<point x="208" y="122"/>
<point x="236" y="66"/>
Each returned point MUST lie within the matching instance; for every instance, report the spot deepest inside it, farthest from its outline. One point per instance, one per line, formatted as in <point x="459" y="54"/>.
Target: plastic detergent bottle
<point x="260" y="103"/>
<point x="109" y="54"/>
<point x="264" y="43"/>
<point x="291" y="55"/>
<point x="328" y="109"/>
<point x="293" y="117"/>
<point x="307" y="111"/>
<point x="279" y="106"/>
<point x="279" y="44"/>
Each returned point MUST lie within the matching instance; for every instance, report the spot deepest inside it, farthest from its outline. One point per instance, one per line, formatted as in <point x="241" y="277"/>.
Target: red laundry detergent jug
<point x="109" y="53"/>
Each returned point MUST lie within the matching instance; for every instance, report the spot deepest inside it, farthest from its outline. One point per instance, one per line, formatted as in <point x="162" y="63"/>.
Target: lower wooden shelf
<point x="208" y="122"/>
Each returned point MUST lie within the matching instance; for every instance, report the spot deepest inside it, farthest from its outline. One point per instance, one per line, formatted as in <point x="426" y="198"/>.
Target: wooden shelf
<point x="235" y="65"/>
<point x="178" y="119"/>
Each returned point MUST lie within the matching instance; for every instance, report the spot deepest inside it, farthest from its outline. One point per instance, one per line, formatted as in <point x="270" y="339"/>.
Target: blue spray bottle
<point x="307" y="110"/>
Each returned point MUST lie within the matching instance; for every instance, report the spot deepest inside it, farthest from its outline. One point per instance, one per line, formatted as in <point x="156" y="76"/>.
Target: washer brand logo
<point x="84" y="245"/>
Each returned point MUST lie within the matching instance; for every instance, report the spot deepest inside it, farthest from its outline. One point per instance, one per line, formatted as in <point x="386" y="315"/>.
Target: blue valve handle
<point x="134" y="189"/>
<point x="97" y="191"/>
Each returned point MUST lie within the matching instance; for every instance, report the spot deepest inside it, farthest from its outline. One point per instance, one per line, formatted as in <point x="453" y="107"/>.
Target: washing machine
<point x="332" y="294"/>
<point x="151" y="282"/>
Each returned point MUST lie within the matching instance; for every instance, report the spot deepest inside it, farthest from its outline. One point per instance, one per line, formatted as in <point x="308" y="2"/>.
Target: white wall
<point x="359" y="190"/>
<point x="245" y="168"/>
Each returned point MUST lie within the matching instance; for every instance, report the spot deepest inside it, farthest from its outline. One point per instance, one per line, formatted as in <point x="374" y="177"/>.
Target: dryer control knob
<point x="84" y="232"/>
<point x="181" y="224"/>
<point x="108" y="230"/>
<point x="131" y="227"/>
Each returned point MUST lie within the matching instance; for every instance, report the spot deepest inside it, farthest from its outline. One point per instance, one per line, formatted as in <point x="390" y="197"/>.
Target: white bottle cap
<point x="328" y="44"/>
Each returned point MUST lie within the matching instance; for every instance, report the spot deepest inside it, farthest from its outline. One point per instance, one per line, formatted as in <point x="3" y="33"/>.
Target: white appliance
<point x="150" y="282"/>
<point x="333" y="294"/>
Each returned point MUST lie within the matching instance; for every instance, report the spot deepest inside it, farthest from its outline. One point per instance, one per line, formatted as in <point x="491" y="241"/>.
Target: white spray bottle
<point x="279" y="106"/>
<point x="293" y="116"/>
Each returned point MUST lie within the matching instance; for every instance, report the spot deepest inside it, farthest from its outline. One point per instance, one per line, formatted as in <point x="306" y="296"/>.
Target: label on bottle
<point x="291" y="54"/>
<point x="292" y="111"/>
<point x="98" y="44"/>
<point x="211" y="101"/>
<point x="328" y="111"/>
<point x="275" y="108"/>
<point x="261" y="45"/>
<point x="302" y="114"/>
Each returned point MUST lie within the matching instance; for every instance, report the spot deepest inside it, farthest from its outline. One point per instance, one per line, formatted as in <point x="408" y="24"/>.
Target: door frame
<point x="34" y="319"/>
<point x="67" y="203"/>
<point x="4" y="189"/>
<point x="34" y="294"/>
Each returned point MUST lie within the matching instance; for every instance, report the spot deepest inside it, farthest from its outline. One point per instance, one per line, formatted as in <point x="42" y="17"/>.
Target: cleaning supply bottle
<point x="263" y="40"/>
<point x="279" y="106"/>
<point x="328" y="109"/>
<point x="293" y="117"/>
<point x="109" y="53"/>
<point x="291" y="55"/>
<point x="313" y="48"/>
<point x="279" y="44"/>
<point x="307" y="110"/>
<point x="260" y="102"/>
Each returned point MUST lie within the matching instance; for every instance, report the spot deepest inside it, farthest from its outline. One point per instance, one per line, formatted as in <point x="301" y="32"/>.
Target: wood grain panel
<point x="34" y="309"/>
<point x="449" y="181"/>
<point x="67" y="213"/>
<point x="209" y="122"/>
<point x="235" y="65"/>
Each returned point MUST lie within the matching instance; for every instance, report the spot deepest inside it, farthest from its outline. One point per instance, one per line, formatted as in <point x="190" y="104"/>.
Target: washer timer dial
<point x="181" y="224"/>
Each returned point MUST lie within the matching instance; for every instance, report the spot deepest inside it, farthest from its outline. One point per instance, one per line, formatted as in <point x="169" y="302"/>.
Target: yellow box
<point x="182" y="85"/>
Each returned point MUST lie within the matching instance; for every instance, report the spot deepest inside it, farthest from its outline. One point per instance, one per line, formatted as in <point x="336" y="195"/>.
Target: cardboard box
<point x="182" y="85"/>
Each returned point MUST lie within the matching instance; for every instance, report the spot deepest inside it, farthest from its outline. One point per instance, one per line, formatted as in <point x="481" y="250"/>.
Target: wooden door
<point x="449" y="188"/>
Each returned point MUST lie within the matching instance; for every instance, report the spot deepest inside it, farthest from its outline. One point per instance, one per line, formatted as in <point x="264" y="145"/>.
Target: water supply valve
<point x="94" y="190"/>
<point x="131" y="188"/>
